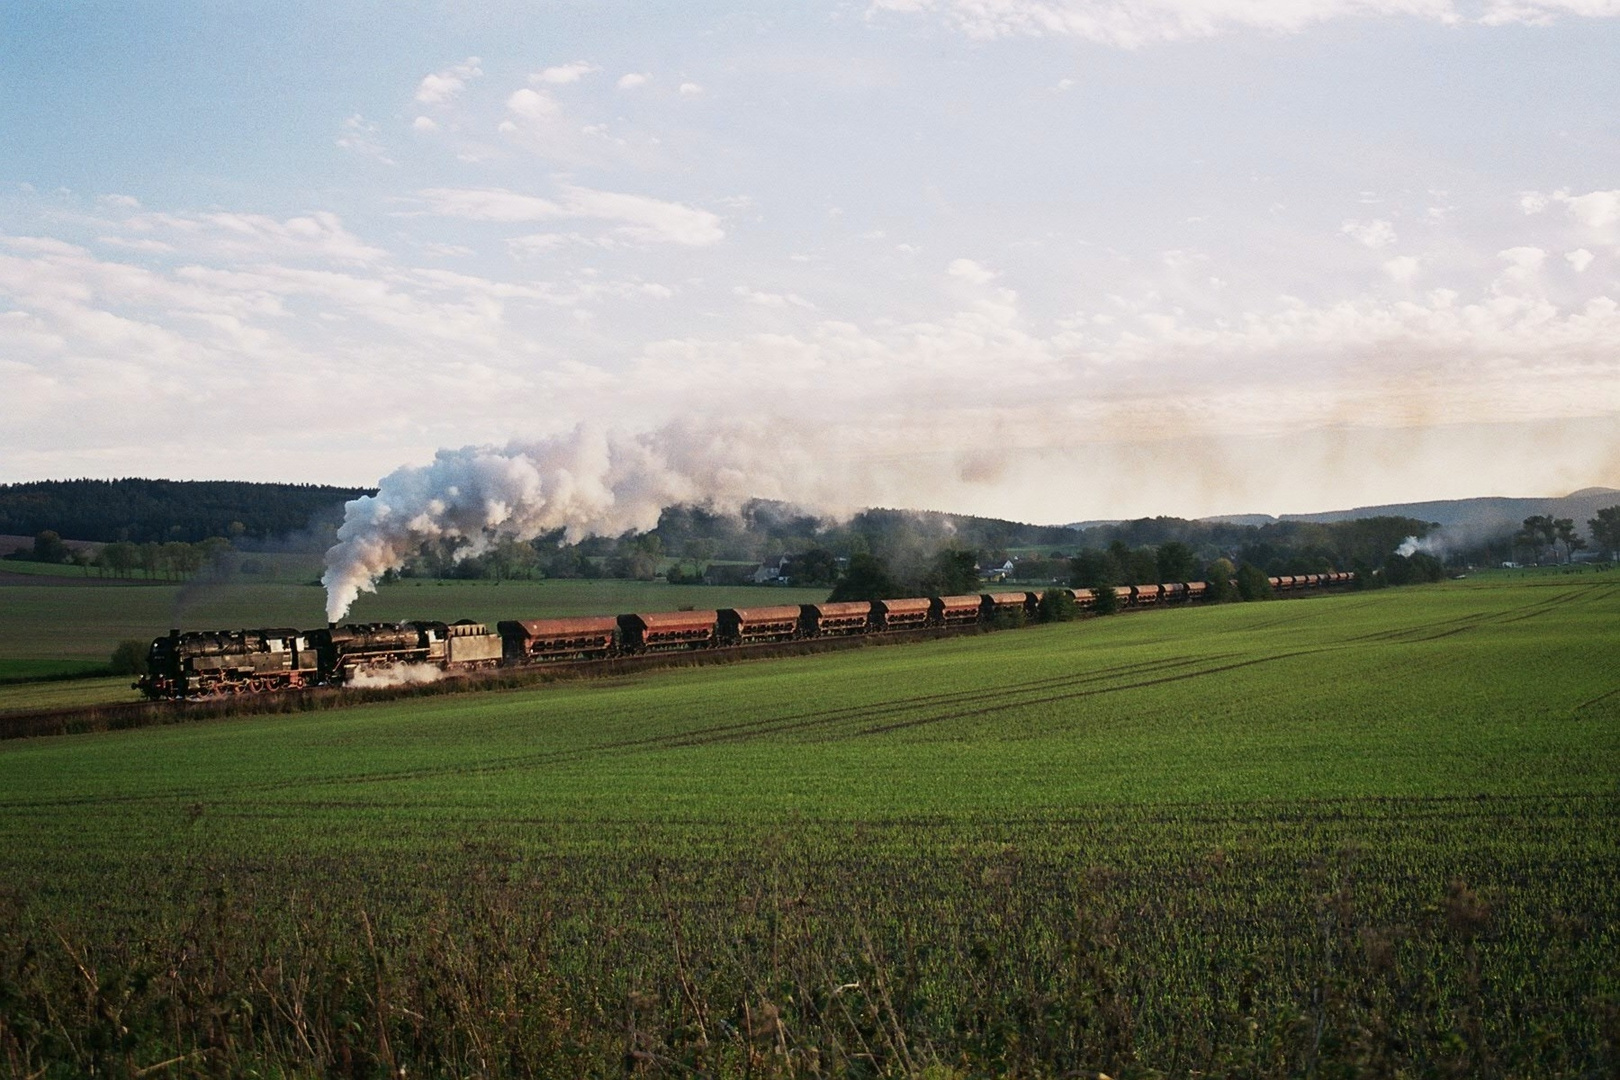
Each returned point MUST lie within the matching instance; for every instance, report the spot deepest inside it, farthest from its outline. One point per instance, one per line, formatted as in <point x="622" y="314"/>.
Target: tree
<point x="1143" y="567"/>
<point x="818" y="566"/>
<point x="1220" y="574"/>
<point x="1565" y="529"/>
<point x="1252" y="583"/>
<point x="1176" y="561"/>
<point x="1092" y="569"/>
<point x="1606" y="530"/>
<point x="1107" y="600"/>
<point x="129" y="658"/>
<point x="866" y="578"/>
<point x="120" y="557"/>
<point x="1541" y="531"/>
<point x="952" y="573"/>
<point x="48" y="547"/>
<point x="1057" y="605"/>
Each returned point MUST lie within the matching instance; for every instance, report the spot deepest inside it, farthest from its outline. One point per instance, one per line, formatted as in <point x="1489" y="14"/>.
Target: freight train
<point x="202" y="664"/>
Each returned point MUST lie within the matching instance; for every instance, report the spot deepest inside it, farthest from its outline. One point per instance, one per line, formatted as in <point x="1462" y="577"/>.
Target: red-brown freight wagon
<point x="560" y="639"/>
<point x="836" y="619"/>
<point x="666" y="630"/>
<point x="907" y="614"/>
<point x="954" y="610"/>
<point x="749" y="626"/>
<point x="1013" y="605"/>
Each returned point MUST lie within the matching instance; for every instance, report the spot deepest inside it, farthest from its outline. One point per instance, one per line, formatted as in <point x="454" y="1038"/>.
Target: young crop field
<point x="1366" y="834"/>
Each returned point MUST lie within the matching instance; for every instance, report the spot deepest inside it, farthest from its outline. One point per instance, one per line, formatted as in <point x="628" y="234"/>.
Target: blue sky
<point x="1049" y="259"/>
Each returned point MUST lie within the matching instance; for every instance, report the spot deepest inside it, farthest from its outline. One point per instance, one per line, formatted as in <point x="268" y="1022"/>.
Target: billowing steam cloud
<point x="1437" y="544"/>
<point x="586" y="483"/>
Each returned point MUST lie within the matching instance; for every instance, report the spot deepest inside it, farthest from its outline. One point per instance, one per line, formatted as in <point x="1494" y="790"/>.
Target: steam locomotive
<point x="202" y="664"/>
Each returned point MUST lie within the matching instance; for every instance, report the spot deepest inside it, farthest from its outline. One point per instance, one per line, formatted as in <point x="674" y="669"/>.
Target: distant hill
<point x="1476" y="518"/>
<point x="143" y="510"/>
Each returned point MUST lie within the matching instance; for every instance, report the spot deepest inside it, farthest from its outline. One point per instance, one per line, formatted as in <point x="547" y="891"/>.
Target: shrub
<point x="129" y="658"/>
<point x="1057" y="605"/>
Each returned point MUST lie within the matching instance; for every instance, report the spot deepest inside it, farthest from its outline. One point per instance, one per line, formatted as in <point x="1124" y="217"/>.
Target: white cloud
<point x="690" y="89"/>
<point x="1401" y="269"/>
<point x="771" y="299"/>
<point x="1136" y="23"/>
<point x="1533" y="202"/>
<point x="1580" y="259"/>
<point x="644" y="218"/>
<point x="442" y="86"/>
<point x="564" y="73"/>
<point x="1524" y="258"/>
<point x="637" y="218"/>
<point x="489" y="204"/>
<point x="425" y="124"/>
<point x="1595" y="210"/>
<point x="360" y="137"/>
<point x="122" y="202"/>
<point x="632" y="80"/>
<point x="320" y="235"/>
<point x="533" y="105"/>
<point x="968" y="270"/>
<point x="1524" y="263"/>
<point x="535" y="243"/>
<point x="1374" y="234"/>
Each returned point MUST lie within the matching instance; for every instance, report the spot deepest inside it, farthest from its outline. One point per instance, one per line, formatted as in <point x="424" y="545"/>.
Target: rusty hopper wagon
<point x="667" y="630"/>
<point x="955" y="610"/>
<point x="1011" y="605"/>
<point x="901" y="614"/>
<point x="837" y="619"/>
<point x="750" y="626"/>
<point x="560" y="639"/>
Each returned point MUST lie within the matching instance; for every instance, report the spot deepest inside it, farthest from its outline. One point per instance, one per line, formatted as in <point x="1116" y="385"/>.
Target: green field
<point x="1374" y="832"/>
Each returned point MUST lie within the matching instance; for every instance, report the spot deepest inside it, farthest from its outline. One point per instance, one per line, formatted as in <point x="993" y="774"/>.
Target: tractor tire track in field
<point x="1095" y="693"/>
<point x="1444" y="628"/>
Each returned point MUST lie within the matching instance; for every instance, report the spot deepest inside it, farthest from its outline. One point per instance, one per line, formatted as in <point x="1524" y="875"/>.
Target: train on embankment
<point x="217" y="663"/>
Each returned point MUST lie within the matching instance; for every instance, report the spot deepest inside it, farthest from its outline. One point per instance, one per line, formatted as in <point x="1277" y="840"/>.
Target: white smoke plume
<point x="587" y="483"/>
<point x="1438" y="544"/>
<point x="395" y="675"/>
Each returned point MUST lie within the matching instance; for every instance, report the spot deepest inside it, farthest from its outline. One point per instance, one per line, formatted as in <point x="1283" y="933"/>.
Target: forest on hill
<point x="146" y="511"/>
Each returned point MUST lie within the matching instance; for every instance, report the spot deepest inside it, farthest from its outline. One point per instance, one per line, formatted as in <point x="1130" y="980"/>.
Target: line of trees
<point x="174" y="560"/>
<point x="1543" y="532"/>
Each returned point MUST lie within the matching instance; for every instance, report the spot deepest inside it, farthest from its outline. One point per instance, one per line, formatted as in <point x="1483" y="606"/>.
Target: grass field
<point x="1357" y="834"/>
